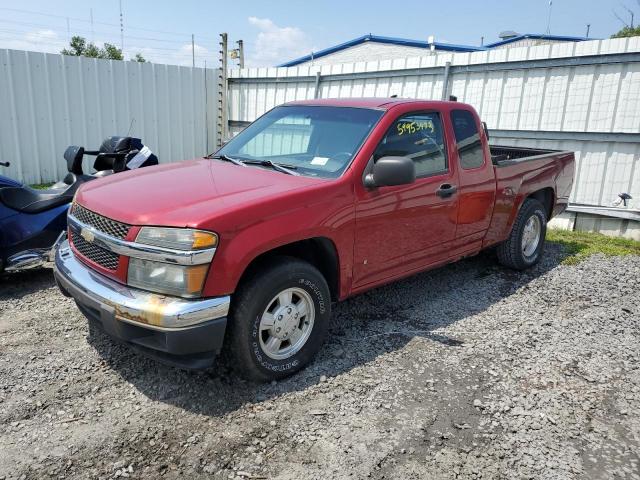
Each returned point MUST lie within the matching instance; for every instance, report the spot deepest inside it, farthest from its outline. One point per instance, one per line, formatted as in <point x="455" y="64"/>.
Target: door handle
<point x="446" y="190"/>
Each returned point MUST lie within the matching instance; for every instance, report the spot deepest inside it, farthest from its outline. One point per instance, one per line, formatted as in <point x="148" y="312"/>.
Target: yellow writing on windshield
<point x="405" y="128"/>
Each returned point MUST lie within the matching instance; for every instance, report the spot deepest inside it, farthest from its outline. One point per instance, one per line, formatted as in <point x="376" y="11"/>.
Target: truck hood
<point x="184" y="194"/>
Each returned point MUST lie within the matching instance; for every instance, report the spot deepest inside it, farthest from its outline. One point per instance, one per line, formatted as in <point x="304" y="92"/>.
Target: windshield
<point x="313" y="140"/>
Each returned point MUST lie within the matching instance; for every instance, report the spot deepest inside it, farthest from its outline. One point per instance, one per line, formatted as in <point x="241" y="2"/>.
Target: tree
<point x="138" y="58"/>
<point x="627" y="31"/>
<point x="112" y="52"/>
<point x="78" y="47"/>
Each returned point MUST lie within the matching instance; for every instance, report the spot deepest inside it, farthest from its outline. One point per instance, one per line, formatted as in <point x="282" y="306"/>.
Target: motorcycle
<point x="31" y="220"/>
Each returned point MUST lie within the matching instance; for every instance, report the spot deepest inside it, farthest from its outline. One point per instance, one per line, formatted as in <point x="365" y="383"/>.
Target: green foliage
<point x="112" y="52"/>
<point x="580" y="245"/>
<point x="93" y="52"/>
<point x="78" y="47"/>
<point x="627" y="31"/>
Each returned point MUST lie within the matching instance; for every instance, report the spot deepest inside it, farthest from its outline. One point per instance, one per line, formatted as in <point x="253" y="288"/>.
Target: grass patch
<point x="580" y="245"/>
<point x="41" y="186"/>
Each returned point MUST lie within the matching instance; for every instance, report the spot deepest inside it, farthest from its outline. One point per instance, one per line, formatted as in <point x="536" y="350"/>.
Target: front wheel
<point x="525" y="244"/>
<point x="279" y="320"/>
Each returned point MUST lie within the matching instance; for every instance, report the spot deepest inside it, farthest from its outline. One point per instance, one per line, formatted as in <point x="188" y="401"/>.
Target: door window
<point x="467" y="136"/>
<point x="417" y="136"/>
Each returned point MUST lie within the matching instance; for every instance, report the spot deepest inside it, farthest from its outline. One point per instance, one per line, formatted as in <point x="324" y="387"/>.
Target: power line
<point x="128" y="27"/>
<point x="81" y="30"/>
<point x="111" y="36"/>
<point x="108" y="37"/>
<point x="9" y="34"/>
<point x="172" y="53"/>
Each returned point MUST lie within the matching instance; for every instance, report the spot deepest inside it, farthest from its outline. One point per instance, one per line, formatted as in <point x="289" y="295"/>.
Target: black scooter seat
<point x="29" y="200"/>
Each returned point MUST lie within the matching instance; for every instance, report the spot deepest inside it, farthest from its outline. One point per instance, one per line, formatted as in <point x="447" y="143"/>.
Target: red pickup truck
<point x="313" y="202"/>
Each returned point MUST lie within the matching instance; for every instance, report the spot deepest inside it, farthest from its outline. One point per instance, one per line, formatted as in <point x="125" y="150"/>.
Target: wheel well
<point x="319" y="252"/>
<point x="545" y="197"/>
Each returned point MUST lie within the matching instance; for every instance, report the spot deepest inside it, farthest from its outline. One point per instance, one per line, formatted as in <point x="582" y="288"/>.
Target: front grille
<point x="100" y="223"/>
<point x="102" y="257"/>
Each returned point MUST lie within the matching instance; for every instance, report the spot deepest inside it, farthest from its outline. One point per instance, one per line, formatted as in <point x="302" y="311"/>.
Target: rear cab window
<point x="418" y="136"/>
<point x="468" y="141"/>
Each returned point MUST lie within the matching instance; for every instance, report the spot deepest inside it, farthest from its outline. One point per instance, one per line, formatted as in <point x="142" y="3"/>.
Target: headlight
<point x="177" y="238"/>
<point x="179" y="280"/>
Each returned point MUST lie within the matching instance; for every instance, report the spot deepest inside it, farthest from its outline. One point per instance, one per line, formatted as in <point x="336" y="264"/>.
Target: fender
<point x="513" y="185"/>
<point x="244" y="236"/>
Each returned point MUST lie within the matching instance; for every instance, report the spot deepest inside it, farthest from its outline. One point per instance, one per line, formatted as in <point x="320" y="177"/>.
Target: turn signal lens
<point x="195" y="279"/>
<point x="204" y="239"/>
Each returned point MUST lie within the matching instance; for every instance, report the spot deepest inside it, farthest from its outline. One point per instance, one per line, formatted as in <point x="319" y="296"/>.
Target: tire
<point x="253" y="353"/>
<point x="512" y="252"/>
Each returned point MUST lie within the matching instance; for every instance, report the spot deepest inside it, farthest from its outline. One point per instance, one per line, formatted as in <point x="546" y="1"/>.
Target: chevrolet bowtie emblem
<point x="87" y="235"/>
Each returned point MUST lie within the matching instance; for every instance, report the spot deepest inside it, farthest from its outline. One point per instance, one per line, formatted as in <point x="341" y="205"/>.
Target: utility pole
<point x="193" y="51"/>
<point x="222" y="91"/>
<point x="121" y="29"/>
<point x="241" y="53"/>
<point x="549" y="17"/>
<point x="588" y="28"/>
<point x="93" y="36"/>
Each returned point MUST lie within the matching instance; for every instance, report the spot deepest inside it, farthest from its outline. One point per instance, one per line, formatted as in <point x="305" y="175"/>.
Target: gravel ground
<point x="470" y="371"/>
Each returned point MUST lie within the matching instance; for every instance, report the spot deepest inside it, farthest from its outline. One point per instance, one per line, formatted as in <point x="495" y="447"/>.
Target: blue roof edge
<point x="380" y="39"/>
<point x="423" y="44"/>
<point x="537" y="36"/>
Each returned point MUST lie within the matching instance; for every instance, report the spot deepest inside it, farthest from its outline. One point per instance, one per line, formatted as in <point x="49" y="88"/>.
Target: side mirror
<point x="389" y="171"/>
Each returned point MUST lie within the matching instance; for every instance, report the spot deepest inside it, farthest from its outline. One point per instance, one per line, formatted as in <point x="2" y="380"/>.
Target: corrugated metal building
<point x="579" y="96"/>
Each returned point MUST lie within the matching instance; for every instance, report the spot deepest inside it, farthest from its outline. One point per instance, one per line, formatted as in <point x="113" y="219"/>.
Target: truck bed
<point x="502" y="155"/>
<point x="520" y="171"/>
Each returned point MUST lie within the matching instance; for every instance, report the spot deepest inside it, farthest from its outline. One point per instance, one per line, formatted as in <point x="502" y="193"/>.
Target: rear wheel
<point x="525" y="244"/>
<point x="278" y="320"/>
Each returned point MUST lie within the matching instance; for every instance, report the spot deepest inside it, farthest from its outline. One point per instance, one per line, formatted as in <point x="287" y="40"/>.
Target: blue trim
<point x="537" y="36"/>
<point x="380" y="39"/>
<point x="426" y="45"/>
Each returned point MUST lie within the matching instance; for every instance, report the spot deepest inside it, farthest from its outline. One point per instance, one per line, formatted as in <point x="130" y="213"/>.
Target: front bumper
<point x="185" y="333"/>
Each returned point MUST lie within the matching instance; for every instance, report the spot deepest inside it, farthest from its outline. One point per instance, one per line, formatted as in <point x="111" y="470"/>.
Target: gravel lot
<point x="471" y="371"/>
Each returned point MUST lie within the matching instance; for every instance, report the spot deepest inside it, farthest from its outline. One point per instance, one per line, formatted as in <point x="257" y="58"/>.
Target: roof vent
<point x="431" y="40"/>
<point x="507" y="34"/>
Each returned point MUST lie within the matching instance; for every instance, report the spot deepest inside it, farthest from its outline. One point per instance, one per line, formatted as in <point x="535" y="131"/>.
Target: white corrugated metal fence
<point x="582" y="96"/>
<point x="51" y="101"/>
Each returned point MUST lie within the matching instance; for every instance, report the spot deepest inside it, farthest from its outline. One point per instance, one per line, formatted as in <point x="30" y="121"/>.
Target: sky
<point x="276" y="31"/>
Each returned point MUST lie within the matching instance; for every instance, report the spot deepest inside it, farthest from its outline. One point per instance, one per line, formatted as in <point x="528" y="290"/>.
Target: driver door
<point x="405" y="228"/>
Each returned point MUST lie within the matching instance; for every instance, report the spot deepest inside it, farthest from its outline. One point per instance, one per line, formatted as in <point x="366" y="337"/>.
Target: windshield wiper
<point x="288" y="169"/>
<point x="276" y="166"/>
<point x="227" y="158"/>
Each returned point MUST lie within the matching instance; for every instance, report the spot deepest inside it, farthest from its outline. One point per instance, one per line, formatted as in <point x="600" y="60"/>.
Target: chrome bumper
<point x="137" y="307"/>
